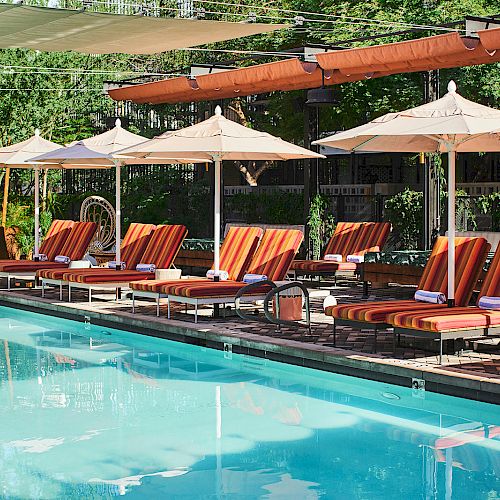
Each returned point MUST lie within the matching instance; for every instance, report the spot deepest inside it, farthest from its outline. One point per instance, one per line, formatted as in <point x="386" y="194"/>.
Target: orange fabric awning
<point x="424" y="54"/>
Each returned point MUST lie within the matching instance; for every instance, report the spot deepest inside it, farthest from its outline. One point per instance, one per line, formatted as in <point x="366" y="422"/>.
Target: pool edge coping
<point x="329" y="359"/>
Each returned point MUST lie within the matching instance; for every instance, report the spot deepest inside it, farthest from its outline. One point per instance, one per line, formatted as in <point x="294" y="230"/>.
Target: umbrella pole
<point x="118" y="212"/>
<point x="451" y="226"/>
<point x="37" y="211"/>
<point x="217" y="160"/>
<point x="5" y="196"/>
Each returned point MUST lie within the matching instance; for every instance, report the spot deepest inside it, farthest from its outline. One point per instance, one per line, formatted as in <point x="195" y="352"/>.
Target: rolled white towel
<point x="355" y="259"/>
<point x="42" y="257"/>
<point x="431" y="297"/>
<point x="121" y="266"/>
<point x="334" y="257"/>
<point x="62" y="259"/>
<point x="223" y="275"/>
<point x="145" y="268"/>
<point x="489" y="303"/>
<point x="254" y="278"/>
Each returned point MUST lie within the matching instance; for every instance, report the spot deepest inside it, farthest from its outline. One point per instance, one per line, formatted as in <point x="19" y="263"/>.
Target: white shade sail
<point x="50" y="29"/>
<point x="450" y="125"/>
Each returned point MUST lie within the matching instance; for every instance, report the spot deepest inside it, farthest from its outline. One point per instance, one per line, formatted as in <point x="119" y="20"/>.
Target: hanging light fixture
<point x="322" y="96"/>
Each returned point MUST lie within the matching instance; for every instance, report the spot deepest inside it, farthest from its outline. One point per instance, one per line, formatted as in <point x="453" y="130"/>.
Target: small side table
<point x="103" y="257"/>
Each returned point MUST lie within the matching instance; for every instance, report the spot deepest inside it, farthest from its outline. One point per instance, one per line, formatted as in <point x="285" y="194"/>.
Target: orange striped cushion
<point x="164" y="245"/>
<point x="236" y="252"/>
<point x="157" y="286"/>
<point x="134" y="243"/>
<point x="78" y="240"/>
<point x="470" y="255"/>
<point x="106" y="276"/>
<point x="376" y="312"/>
<point x="211" y="289"/>
<point x="276" y="252"/>
<point x="323" y="266"/>
<point x="378" y="236"/>
<point x="447" y="319"/>
<point x="491" y="284"/>
<point x="238" y="249"/>
<point x="343" y="237"/>
<point x="56" y="236"/>
<point x="29" y="266"/>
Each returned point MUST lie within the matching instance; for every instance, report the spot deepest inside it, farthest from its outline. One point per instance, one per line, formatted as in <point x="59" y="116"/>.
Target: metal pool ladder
<point x="269" y="317"/>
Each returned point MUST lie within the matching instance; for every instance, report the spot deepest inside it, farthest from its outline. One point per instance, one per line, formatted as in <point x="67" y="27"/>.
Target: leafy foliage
<point x="321" y="225"/>
<point x="405" y="212"/>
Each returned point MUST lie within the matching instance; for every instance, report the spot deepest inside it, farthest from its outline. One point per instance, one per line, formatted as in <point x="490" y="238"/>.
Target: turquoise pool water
<point x="89" y="412"/>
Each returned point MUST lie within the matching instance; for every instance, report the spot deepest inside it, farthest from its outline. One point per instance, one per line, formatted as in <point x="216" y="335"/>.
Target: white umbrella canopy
<point x="21" y="155"/>
<point x="99" y="152"/>
<point x="217" y="139"/>
<point x="450" y="125"/>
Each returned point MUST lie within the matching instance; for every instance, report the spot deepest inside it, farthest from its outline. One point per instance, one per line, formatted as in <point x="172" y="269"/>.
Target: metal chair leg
<point x="158" y="306"/>
<point x="60" y="291"/>
<point x="168" y="307"/>
<point x="133" y="303"/>
<point x="43" y="289"/>
<point x="90" y="295"/>
<point x="69" y="292"/>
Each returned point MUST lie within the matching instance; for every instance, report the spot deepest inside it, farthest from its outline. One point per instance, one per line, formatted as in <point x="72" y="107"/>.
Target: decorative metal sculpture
<point x="99" y="210"/>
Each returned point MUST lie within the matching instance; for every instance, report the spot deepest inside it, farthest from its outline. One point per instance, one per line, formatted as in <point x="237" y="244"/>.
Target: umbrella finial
<point x="118" y="122"/>
<point x="452" y="87"/>
<point x="218" y="111"/>
<point x="37" y="132"/>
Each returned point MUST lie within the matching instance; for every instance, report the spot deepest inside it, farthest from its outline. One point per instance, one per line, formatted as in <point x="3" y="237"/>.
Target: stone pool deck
<point x="474" y="374"/>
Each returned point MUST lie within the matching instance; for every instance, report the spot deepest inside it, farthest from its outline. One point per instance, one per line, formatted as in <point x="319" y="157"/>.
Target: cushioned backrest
<point x="55" y="238"/>
<point x="491" y="284"/>
<point x="238" y="249"/>
<point x="134" y="243"/>
<point x="470" y="254"/>
<point x="343" y="238"/>
<point x="378" y="236"/>
<point x="164" y="245"/>
<point x="78" y="240"/>
<point x="276" y="252"/>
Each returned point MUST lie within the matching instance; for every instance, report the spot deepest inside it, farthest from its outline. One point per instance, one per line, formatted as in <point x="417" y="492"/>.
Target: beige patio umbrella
<point x="449" y="125"/>
<point x="21" y="155"/>
<point x="219" y="139"/>
<point x="98" y="152"/>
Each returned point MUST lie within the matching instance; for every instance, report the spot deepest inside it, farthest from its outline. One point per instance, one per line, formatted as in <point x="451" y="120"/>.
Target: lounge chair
<point x="66" y="238"/>
<point x="454" y="322"/>
<point x="132" y="248"/>
<point x="236" y="253"/>
<point x="470" y="255"/>
<point x="349" y="238"/>
<point x="276" y="252"/>
<point x="160" y="252"/>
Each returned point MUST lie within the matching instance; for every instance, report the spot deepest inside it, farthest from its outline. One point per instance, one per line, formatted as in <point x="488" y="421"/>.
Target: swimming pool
<point x="91" y="412"/>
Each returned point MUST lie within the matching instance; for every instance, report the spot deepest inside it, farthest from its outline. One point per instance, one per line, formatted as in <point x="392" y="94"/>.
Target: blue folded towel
<point x="489" y="303"/>
<point x="223" y="275"/>
<point x="254" y="278"/>
<point x="146" y="268"/>
<point x="121" y="265"/>
<point x="356" y="259"/>
<point x="431" y="297"/>
<point x="62" y="259"/>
